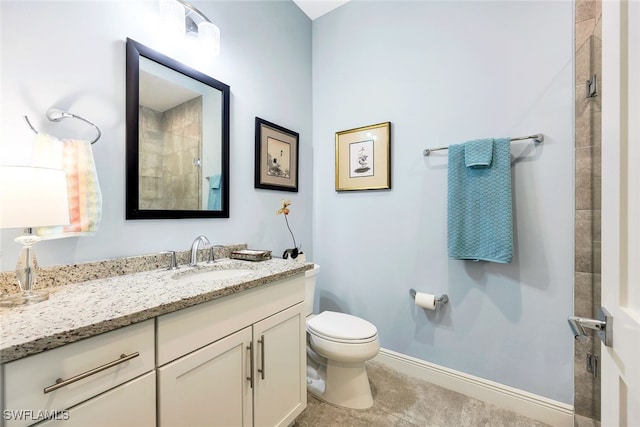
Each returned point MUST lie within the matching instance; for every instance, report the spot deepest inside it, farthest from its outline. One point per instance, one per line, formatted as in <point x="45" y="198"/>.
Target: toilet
<point x="338" y="345"/>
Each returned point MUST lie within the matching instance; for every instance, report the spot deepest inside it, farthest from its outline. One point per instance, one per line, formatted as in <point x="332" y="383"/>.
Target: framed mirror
<point x="177" y="158"/>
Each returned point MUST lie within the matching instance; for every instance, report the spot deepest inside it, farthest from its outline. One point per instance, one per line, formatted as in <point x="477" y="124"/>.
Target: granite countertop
<point x="77" y="311"/>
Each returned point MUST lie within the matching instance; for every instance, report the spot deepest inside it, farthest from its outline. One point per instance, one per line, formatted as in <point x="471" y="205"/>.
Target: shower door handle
<point x="603" y="325"/>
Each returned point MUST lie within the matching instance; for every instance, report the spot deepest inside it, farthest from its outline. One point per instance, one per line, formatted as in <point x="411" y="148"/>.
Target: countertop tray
<point x="251" y="255"/>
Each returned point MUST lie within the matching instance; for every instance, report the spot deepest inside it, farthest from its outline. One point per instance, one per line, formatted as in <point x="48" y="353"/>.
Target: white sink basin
<point x="211" y="275"/>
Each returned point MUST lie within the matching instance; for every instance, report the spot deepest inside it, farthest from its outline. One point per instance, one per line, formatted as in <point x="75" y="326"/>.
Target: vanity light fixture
<point x="183" y="18"/>
<point x="172" y="13"/>
<point x="31" y="197"/>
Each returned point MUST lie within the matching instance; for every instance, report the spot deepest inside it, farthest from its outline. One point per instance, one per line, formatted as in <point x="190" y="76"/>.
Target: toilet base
<point x="346" y="385"/>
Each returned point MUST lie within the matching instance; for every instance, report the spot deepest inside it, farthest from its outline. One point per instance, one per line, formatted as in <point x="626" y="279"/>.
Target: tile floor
<point x="581" y="421"/>
<point x="401" y="401"/>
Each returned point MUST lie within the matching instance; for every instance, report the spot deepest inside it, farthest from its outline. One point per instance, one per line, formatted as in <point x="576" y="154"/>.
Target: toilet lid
<point x="341" y="326"/>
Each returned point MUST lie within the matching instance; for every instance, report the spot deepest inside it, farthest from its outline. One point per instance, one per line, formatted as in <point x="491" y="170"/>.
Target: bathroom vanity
<point x="211" y="345"/>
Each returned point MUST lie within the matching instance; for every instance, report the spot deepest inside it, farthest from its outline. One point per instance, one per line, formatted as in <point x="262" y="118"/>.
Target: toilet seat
<point x="342" y="328"/>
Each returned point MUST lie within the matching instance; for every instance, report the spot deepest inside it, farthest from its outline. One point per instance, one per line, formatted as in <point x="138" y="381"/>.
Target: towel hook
<point x="55" y="115"/>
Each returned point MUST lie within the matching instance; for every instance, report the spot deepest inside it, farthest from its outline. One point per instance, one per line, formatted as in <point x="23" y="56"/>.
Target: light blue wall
<point x="442" y="73"/>
<point x="70" y="54"/>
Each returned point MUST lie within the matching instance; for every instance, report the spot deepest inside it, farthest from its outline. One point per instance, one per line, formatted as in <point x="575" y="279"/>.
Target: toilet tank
<point x="310" y="288"/>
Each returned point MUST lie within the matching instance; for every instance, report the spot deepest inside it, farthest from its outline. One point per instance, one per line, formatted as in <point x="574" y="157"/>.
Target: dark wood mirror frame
<point x="134" y="51"/>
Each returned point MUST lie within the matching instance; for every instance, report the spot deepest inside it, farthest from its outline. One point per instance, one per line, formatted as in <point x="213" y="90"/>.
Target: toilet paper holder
<point x="442" y="299"/>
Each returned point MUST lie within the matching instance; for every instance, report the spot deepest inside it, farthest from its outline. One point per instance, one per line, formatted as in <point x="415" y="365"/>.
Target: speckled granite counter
<point x="77" y="311"/>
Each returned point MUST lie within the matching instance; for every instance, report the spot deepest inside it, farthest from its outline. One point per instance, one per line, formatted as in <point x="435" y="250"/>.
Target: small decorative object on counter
<point x="251" y="255"/>
<point x="295" y="252"/>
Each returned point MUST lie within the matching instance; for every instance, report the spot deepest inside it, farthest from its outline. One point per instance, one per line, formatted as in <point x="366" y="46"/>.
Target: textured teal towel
<point x="480" y="225"/>
<point x="478" y="153"/>
<point x="213" y="204"/>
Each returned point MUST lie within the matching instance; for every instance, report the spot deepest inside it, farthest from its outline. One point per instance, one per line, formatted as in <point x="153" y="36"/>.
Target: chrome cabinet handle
<point x="61" y="383"/>
<point x="261" y="341"/>
<point x="250" y="377"/>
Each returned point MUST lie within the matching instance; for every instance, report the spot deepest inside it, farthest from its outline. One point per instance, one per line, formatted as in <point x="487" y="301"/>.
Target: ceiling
<point x="316" y="8"/>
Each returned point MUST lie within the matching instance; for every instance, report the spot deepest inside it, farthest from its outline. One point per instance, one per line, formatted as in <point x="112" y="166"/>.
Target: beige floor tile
<point x="401" y="401"/>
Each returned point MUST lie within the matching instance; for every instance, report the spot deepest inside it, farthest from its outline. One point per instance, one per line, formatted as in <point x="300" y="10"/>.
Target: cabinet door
<point x="280" y="393"/>
<point x="208" y="387"/>
<point x="132" y="404"/>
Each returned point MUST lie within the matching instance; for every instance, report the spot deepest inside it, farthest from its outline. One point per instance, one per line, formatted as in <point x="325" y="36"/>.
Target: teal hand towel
<point x="479" y="212"/>
<point x="213" y="204"/>
<point x="478" y="153"/>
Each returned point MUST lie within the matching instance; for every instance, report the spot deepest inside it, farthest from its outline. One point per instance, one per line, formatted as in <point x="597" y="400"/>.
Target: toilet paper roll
<point x="427" y="301"/>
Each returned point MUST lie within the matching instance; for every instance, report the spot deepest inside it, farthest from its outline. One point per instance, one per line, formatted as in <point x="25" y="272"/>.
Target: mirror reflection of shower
<point x="179" y="164"/>
<point x="170" y="153"/>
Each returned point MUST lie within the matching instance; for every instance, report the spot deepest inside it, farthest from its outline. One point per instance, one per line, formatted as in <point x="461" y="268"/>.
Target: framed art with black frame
<point x="276" y="157"/>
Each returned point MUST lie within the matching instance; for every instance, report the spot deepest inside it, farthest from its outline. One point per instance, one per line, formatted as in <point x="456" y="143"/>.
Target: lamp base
<point x="26" y="273"/>
<point x="24" y="298"/>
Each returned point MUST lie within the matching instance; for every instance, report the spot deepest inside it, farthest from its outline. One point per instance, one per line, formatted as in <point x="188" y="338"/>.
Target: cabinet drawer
<point x="132" y="404"/>
<point x="26" y="379"/>
<point x="187" y="330"/>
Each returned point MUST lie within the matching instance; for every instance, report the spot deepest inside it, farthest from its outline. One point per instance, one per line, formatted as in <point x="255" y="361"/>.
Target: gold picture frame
<point x="363" y="158"/>
<point x="276" y="157"/>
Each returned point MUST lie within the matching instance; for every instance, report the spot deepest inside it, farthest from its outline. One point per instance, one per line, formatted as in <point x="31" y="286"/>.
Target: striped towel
<point x="85" y="199"/>
<point x="479" y="212"/>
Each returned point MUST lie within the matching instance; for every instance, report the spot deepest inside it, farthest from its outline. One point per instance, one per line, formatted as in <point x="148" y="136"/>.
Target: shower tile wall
<point x="150" y="146"/>
<point x="169" y="151"/>
<point x="182" y="129"/>
<point x="588" y="45"/>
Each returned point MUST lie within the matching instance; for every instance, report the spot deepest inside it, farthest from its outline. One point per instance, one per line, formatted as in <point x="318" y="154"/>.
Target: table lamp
<point x="31" y="197"/>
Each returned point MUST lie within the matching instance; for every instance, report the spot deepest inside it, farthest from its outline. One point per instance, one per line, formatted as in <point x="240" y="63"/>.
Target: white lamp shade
<point x="33" y="197"/>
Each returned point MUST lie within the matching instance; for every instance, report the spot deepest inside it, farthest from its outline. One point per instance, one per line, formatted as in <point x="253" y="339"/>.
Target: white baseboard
<point x="521" y="402"/>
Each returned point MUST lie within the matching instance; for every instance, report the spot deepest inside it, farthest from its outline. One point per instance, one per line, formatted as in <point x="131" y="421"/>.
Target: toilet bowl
<point x="338" y="345"/>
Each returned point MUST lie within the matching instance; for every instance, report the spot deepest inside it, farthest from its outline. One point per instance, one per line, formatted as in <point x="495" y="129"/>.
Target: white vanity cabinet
<point x="239" y="360"/>
<point x="108" y="378"/>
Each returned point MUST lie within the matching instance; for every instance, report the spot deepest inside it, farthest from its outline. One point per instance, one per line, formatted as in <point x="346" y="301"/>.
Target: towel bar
<point x="537" y="139"/>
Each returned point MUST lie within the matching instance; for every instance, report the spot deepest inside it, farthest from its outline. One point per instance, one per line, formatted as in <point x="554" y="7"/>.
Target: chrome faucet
<point x="194" y="249"/>
<point x="173" y="261"/>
